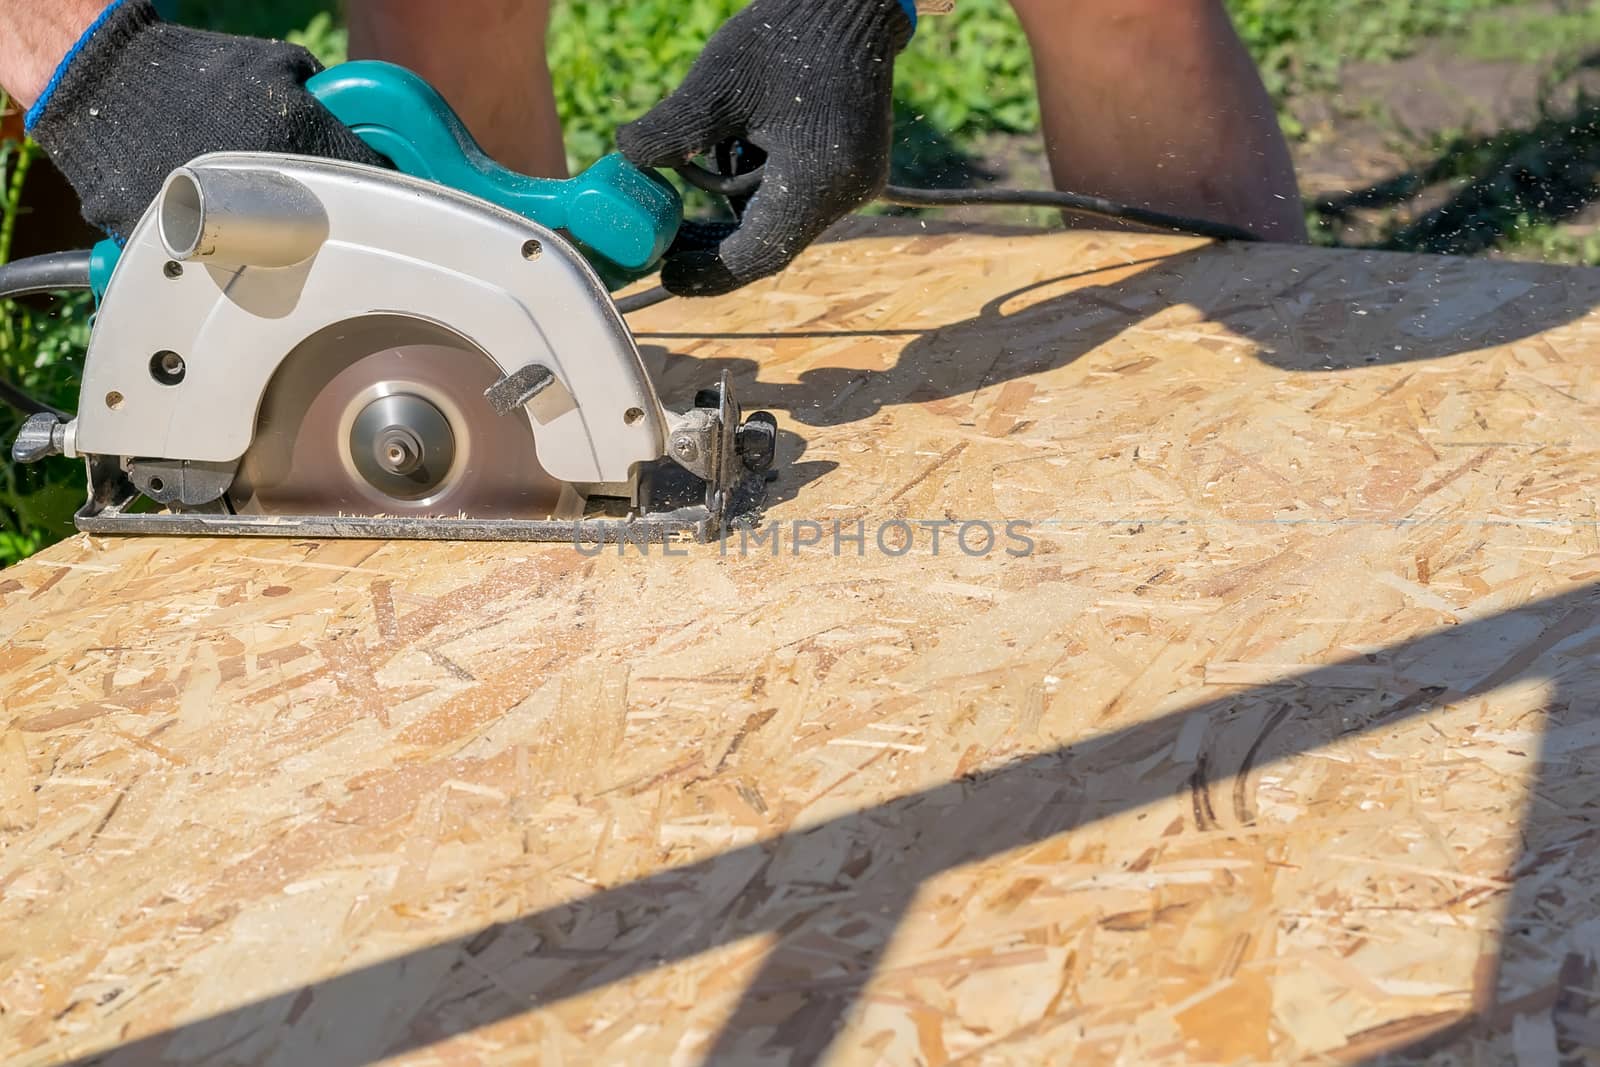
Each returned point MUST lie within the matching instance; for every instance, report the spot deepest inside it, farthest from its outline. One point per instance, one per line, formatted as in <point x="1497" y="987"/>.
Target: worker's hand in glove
<point x="807" y="81"/>
<point x="138" y="97"/>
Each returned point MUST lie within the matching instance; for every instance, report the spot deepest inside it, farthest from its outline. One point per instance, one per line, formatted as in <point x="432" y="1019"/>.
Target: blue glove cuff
<point x="911" y="12"/>
<point x="37" y="110"/>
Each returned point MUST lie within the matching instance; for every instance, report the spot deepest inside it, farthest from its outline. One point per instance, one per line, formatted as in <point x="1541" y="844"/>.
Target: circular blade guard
<point x="325" y="435"/>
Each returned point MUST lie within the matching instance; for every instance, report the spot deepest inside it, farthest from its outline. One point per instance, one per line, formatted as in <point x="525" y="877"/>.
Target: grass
<point x="966" y="79"/>
<point x="1529" y="35"/>
<point x="1301" y="44"/>
<point x="1513" y="193"/>
<point x="1537" y="241"/>
<point x="1510" y="190"/>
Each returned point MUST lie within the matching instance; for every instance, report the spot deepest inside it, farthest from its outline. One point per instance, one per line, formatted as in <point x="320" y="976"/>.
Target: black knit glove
<point x="809" y="82"/>
<point x="139" y="98"/>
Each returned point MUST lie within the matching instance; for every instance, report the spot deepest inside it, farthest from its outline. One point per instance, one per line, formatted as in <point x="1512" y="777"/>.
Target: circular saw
<point x="302" y="347"/>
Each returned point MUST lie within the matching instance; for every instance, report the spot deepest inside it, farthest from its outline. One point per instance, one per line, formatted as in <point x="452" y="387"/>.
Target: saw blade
<point x="388" y="417"/>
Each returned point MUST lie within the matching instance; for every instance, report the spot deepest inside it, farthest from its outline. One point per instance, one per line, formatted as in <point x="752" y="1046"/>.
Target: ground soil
<point x="1383" y="121"/>
<point x="1389" y="119"/>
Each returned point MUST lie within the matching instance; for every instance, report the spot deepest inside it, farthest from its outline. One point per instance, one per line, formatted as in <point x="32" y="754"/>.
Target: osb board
<point x="1278" y="748"/>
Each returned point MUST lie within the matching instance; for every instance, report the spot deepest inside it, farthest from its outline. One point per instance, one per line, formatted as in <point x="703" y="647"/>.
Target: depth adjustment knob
<point x="42" y="436"/>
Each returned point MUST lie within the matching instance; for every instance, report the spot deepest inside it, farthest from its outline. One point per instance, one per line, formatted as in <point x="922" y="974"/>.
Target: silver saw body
<point x="307" y="348"/>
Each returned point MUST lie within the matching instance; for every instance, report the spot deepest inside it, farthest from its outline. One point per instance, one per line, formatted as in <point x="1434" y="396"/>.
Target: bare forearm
<point x="1158" y="103"/>
<point x="34" y="36"/>
<point x="486" y="57"/>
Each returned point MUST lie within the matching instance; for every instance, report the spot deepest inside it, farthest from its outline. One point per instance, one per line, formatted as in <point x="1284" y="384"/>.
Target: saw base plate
<point x="585" y="533"/>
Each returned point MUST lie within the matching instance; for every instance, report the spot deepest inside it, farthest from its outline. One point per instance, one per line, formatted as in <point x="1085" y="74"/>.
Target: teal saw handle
<point x="624" y="218"/>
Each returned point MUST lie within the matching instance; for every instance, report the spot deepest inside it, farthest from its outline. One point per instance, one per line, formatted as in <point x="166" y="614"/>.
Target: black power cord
<point x="639" y="301"/>
<point x="33" y="277"/>
<point x="744" y="184"/>
<point x="738" y="187"/>
<point x="44" y="274"/>
<point x="11" y="396"/>
<point x="1077" y="203"/>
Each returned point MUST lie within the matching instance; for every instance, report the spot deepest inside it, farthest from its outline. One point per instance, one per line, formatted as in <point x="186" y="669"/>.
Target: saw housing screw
<point x="685" y="449"/>
<point x="532" y="250"/>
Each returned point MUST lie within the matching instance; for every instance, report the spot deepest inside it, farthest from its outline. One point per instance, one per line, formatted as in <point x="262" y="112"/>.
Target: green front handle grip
<point x="622" y="217"/>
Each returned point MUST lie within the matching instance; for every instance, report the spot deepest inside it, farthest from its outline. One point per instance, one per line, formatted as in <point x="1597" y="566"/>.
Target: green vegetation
<point x="1300" y="44"/>
<point x="1532" y="35"/>
<point x="966" y="80"/>
<point x="966" y="74"/>
<point x="40" y="351"/>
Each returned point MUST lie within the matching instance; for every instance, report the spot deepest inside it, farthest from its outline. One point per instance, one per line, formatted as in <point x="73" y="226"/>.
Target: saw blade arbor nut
<point x="401" y="451"/>
<point x="403" y="446"/>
